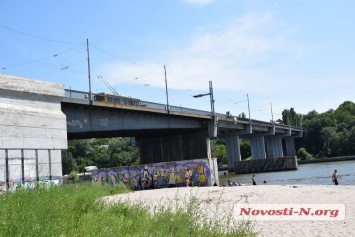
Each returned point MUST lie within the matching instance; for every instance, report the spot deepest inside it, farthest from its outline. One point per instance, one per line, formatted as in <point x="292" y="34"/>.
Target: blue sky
<point x="286" y="54"/>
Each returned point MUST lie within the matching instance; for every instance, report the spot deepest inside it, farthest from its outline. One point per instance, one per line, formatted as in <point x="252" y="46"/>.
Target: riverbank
<point x="224" y="167"/>
<point x="217" y="203"/>
<point x="332" y="159"/>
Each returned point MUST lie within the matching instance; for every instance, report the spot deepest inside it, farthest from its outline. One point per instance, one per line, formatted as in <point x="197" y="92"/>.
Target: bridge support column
<point x="208" y="147"/>
<point x="274" y="147"/>
<point x="290" y="146"/>
<point x="257" y="145"/>
<point x="233" y="151"/>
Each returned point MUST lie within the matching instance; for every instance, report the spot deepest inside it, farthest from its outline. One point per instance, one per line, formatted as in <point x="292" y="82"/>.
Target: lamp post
<point x="211" y="98"/>
<point x="248" y="106"/>
<point x="213" y="114"/>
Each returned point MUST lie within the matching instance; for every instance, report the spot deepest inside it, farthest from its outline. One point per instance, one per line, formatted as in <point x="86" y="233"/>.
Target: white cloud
<point x="248" y="55"/>
<point x="234" y="56"/>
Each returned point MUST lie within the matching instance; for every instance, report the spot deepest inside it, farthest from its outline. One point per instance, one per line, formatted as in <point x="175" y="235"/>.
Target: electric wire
<point x="38" y="37"/>
<point x="112" y="55"/>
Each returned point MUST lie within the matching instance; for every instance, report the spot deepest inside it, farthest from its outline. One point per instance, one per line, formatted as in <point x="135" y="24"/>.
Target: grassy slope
<point x="74" y="210"/>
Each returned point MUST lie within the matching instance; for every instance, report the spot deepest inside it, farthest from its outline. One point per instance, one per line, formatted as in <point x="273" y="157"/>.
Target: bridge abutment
<point x="33" y="132"/>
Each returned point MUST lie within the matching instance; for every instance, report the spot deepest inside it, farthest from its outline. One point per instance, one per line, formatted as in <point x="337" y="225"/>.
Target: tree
<point x="68" y="162"/>
<point x="218" y="150"/>
<point x="103" y="153"/>
<point x="245" y="151"/>
<point x="242" y="115"/>
<point x="290" y="117"/>
<point x="303" y="154"/>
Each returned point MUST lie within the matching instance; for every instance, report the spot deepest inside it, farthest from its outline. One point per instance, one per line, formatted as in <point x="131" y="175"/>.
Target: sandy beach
<point x="221" y="202"/>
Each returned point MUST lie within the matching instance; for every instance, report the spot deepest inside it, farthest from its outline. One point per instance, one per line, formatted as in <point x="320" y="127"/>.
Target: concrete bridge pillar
<point x="274" y="147"/>
<point x="257" y="145"/>
<point x="290" y="146"/>
<point x="233" y="150"/>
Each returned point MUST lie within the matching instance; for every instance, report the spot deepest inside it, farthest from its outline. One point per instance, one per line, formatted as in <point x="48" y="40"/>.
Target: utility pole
<point x="212" y="99"/>
<point x="248" y="108"/>
<point x="166" y="91"/>
<point x="87" y="49"/>
<point x="272" y="114"/>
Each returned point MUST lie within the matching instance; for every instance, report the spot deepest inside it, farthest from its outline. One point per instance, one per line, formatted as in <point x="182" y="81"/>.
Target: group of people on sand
<point x="234" y="183"/>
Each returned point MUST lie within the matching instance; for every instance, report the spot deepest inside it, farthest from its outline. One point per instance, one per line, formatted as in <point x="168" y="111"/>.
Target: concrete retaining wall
<point x="30" y="119"/>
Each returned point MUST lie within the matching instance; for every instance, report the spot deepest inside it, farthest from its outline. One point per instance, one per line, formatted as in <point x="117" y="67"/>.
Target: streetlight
<point x="211" y="98"/>
<point x="213" y="115"/>
<point x="272" y="114"/>
<point x="248" y="106"/>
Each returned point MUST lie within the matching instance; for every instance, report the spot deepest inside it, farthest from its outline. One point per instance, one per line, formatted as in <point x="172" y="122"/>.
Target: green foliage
<point x="332" y="133"/>
<point x="242" y="115"/>
<point x="302" y="154"/>
<point x="103" y="153"/>
<point x="73" y="176"/>
<point x="218" y="150"/>
<point x="245" y="151"/>
<point x="78" y="210"/>
<point x="290" y="117"/>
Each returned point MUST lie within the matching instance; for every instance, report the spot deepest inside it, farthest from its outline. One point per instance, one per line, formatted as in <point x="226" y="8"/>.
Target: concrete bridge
<point x="175" y="134"/>
<point x="37" y="118"/>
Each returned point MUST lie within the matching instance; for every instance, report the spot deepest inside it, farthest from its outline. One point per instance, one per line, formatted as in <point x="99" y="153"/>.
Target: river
<point x="314" y="174"/>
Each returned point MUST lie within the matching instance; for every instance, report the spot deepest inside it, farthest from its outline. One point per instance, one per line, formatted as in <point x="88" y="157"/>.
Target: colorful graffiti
<point x="14" y="185"/>
<point x="159" y="175"/>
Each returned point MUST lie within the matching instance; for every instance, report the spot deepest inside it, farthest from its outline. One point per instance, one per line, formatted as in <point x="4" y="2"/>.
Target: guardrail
<point x="85" y="96"/>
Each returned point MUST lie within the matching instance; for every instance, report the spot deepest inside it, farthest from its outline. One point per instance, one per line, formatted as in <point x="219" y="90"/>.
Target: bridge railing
<point x="116" y="99"/>
<point x="85" y="96"/>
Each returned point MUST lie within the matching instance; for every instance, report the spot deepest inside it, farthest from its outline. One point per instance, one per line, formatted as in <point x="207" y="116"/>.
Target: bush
<point x="304" y="155"/>
<point x="73" y="176"/>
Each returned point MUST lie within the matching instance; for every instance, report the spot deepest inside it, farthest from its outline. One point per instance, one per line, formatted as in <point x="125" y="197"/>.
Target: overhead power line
<point x="36" y="60"/>
<point x="122" y="58"/>
<point x="38" y="37"/>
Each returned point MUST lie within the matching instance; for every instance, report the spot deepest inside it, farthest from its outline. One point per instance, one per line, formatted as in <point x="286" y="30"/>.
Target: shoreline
<point x="225" y="199"/>
<point x="302" y="162"/>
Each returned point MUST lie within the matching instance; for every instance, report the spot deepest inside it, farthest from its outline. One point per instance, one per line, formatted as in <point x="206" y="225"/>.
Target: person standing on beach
<point x="253" y="179"/>
<point x="187" y="178"/>
<point x="335" y="177"/>
<point x="191" y="173"/>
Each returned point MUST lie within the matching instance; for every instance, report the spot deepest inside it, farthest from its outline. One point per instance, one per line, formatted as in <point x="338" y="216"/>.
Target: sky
<point x="278" y="54"/>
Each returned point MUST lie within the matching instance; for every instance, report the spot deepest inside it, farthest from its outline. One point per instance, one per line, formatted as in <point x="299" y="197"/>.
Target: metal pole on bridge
<point x="166" y="91"/>
<point x="87" y="49"/>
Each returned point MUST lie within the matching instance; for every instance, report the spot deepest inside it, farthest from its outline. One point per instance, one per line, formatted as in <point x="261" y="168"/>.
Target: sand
<point x="219" y="202"/>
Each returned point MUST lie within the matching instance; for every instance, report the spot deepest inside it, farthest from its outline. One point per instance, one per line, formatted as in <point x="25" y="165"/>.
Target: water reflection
<point x="315" y="174"/>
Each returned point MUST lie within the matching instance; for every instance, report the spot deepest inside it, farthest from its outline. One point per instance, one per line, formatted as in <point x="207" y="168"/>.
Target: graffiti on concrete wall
<point x="14" y="185"/>
<point x="159" y="175"/>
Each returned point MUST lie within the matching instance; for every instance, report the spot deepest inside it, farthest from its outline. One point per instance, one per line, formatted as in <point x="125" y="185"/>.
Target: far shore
<point x="301" y="162"/>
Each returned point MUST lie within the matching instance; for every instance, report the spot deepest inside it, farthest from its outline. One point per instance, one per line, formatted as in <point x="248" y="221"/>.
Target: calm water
<point x="320" y="173"/>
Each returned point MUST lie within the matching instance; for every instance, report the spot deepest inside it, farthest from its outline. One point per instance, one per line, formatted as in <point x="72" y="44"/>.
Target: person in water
<point x="335" y="177"/>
